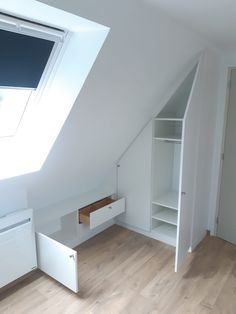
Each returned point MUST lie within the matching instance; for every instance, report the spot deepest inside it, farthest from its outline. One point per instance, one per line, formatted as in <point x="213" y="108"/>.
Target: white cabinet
<point x="134" y="181"/>
<point x="22" y="249"/>
<point x="171" y="208"/>
<point x="20" y="254"/>
<point x="17" y="246"/>
<point x="157" y="173"/>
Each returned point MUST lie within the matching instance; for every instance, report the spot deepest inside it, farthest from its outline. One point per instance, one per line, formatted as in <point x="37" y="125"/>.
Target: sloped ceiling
<point x="144" y="52"/>
<point x="213" y="19"/>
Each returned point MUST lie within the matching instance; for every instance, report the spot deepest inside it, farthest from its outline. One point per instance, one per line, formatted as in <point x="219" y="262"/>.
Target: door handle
<point x="72" y="256"/>
<point x="183" y="193"/>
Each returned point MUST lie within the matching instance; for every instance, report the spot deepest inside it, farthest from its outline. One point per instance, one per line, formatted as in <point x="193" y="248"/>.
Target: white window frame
<point x="27" y="151"/>
<point x="34" y="29"/>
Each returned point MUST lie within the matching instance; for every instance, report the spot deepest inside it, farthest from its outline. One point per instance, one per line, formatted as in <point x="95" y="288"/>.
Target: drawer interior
<point x="84" y="212"/>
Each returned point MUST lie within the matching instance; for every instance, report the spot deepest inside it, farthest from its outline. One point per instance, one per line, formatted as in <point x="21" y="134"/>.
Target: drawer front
<point x="106" y="213"/>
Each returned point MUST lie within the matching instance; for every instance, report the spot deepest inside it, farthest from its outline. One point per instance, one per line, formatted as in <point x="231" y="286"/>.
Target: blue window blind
<point x="22" y="59"/>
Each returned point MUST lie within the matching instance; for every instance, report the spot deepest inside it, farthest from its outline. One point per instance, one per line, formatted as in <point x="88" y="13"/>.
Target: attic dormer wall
<point x="142" y="58"/>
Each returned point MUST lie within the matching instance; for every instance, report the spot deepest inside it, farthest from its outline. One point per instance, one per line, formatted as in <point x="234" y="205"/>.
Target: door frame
<point x="222" y="148"/>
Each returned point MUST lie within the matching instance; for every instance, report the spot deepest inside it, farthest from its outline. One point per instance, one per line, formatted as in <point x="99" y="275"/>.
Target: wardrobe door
<point x="188" y="178"/>
<point x="134" y="181"/>
<point x="184" y="224"/>
<point x="58" y="261"/>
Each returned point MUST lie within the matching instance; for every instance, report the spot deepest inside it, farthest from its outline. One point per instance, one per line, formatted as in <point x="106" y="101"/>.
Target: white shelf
<point x="169" y="200"/>
<point x="171" y="138"/>
<point x="166" y="215"/>
<point x="165" y="233"/>
<point x="169" y="119"/>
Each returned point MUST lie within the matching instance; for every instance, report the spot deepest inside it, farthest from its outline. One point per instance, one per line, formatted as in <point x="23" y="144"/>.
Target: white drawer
<point x="106" y="213"/>
<point x="94" y="218"/>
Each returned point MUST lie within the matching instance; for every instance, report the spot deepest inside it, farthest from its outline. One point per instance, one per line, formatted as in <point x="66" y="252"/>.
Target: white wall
<point x="227" y="62"/>
<point x="144" y="53"/>
<point x="11" y="200"/>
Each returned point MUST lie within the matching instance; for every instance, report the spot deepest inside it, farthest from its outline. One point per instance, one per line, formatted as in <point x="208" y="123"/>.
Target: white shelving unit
<point x="166" y="166"/>
<point x="168" y="119"/>
<point x="166" y="174"/>
<point x="166" y="215"/>
<point x="163" y="155"/>
<point x="169" y="199"/>
<point x="165" y="202"/>
<point x="168" y="129"/>
<point x="166" y="233"/>
<point x="170" y="138"/>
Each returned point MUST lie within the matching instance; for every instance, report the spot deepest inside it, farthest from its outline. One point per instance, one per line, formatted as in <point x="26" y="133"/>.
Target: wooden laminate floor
<point x="121" y="271"/>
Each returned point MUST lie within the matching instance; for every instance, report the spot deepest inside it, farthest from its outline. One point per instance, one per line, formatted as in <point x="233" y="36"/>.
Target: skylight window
<point x="23" y="59"/>
<point x="27" y="50"/>
<point x="77" y="42"/>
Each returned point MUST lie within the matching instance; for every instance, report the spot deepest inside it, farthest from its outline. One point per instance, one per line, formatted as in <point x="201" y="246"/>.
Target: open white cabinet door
<point x="188" y="173"/>
<point x="58" y="261"/>
<point x="186" y="195"/>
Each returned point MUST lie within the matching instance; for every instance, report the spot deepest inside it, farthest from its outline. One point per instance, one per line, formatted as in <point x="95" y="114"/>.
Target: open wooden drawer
<point x="101" y="211"/>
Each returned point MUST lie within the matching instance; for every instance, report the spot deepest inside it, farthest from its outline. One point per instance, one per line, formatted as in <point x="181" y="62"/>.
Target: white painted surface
<point x="142" y="70"/>
<point x="11" y="200"/>
<point x="167" y="167"/>
<point x="55" y="211"/>
<point x="213" y="19"/>
<point x="134" y="181"/>
<point x="227" y="212"/>
<point x="127" y="83"/>
<point x="60" y="220"/>
<point x="200" y="127"/>
<point x="106" y="213"/>
<point x="169" y="199"/>
<point x="17" y="246"/>
<point x="167" y="129"/>
<point x="58" y="261"/>
<point x="67" y="233"/>
<point x="206" y="97"/>
<point x="218" y="138"/>
<point x="166" y="215"/>
<point x="188" y="159"/>
<point x="163" y="189"/>
<point x="165" y="233"/>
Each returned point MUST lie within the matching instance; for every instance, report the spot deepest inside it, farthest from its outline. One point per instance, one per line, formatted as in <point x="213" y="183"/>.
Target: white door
<point x="185" y="201"/>
<point x="58" y="261"/>
<point x="134" y="181"/>
<point x="227" y="213"/>
<point x="188" y="175"/>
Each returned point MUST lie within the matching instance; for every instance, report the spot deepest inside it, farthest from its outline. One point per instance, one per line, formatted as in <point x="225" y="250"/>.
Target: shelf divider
<point x="166" y="215"/>
<point x="169" y="199"/>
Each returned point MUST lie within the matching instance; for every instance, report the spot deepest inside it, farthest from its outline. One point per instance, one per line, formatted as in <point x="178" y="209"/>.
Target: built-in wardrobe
<point x="157" y="173"/>
<point x="157" y="193"/>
